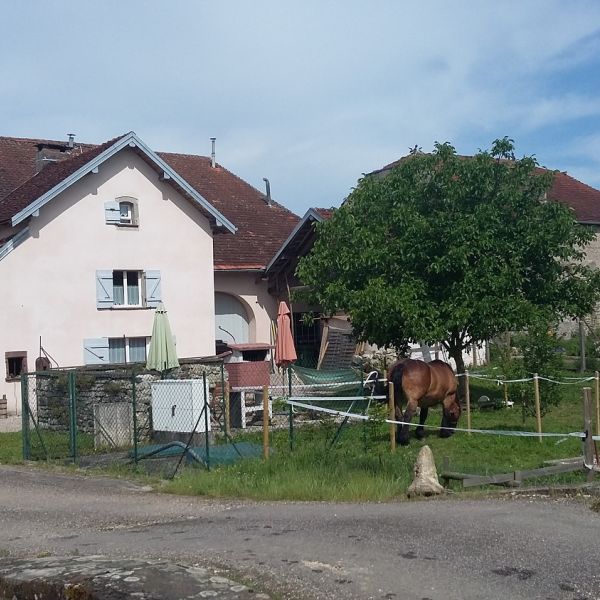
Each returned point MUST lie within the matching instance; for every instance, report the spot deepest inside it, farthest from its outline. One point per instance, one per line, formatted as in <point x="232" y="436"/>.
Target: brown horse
<point x="424" y="384"/>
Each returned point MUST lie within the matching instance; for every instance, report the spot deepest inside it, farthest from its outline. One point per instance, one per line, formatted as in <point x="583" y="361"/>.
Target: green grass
<point x="349" y="472"/>
<point x="11" y="447"/>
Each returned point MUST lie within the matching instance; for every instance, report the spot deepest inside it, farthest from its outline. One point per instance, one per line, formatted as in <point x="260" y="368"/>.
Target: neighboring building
<point x="581" y="198"/>
<point x="93" y="237"/>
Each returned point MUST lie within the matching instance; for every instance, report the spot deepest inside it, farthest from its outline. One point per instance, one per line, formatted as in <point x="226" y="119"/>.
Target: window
<point x="122" y="211"/>
<point x="16" y="363"/>
<point x="126" y="213"/>
<point x="128" y="289"/>
<point x="120" y="350"/>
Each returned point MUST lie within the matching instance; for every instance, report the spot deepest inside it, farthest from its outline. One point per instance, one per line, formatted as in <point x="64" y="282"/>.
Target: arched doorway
<point x="231" y="320"/>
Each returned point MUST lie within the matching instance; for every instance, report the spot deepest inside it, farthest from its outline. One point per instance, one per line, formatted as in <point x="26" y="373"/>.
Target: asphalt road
<point x="508" y="549"/>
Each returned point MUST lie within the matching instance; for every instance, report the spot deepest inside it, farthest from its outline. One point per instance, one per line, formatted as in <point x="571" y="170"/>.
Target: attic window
<point x="122" y="211"/>
<point x="126" y="213"/>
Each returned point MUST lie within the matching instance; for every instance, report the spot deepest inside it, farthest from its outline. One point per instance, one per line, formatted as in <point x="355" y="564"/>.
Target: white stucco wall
<point x="252" y="292"/>
<point x="48" y="283"/>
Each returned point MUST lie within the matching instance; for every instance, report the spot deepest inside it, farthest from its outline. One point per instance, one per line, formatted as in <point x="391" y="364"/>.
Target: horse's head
<point x="452" y="412"/>
<point x="451" y="415"/>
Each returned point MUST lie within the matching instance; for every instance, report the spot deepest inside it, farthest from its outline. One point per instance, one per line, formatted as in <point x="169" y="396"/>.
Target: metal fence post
<point x="291" y="410"/>
<point x="72" y="415"/>
<point x="206" y="421"/>
<point x="25" y="416"/>
<point x="588" y="442"/>
<point x="134" y="417"/>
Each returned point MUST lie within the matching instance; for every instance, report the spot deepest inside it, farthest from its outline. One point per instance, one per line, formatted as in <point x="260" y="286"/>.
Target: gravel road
<point x="512" y="548"/>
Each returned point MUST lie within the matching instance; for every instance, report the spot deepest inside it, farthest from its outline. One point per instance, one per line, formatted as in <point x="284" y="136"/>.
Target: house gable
<point x="46" y="185"/>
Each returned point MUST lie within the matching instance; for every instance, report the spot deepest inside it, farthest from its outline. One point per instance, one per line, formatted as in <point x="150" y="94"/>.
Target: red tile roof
<point x="51" y="175"/>
<point x="262" y="228"/>
<point x="583" y="199"/>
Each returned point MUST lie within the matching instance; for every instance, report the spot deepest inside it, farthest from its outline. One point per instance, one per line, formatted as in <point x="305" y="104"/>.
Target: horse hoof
<point x="419" y="435"/>
<point x="446" y="433"/>
<point x="403" y="442"/>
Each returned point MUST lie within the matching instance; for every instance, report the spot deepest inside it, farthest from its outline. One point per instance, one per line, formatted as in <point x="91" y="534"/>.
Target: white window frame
<point x="140" y="282"/>
<point x="127" y="346"/>
<point x="132" y="219"/>
<point x="126" y="219"/>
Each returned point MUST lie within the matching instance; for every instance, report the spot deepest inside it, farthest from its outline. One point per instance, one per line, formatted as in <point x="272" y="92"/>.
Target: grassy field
<point x="360" y="466"/>
<point x="350" y="471"/>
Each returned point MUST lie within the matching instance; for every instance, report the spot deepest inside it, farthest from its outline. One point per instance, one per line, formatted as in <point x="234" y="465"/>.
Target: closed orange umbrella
<point x="285" y="353"/>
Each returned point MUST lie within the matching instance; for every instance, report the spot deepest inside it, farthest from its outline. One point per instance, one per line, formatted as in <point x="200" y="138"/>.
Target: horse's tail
<point x="394" y="375"/>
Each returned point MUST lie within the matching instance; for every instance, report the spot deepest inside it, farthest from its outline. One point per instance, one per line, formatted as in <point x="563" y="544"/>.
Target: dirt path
<point x="438" y="550"/>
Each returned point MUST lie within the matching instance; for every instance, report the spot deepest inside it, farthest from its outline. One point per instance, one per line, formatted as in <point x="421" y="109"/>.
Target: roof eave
<point x="311" y="213"/>
<point x="131" y="140"/>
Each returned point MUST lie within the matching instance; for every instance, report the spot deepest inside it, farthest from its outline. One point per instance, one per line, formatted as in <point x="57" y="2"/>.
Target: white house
<point x="93" y="237"/>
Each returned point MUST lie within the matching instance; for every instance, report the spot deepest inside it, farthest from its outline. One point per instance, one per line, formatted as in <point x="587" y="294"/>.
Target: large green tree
<point x="444" y="248"/>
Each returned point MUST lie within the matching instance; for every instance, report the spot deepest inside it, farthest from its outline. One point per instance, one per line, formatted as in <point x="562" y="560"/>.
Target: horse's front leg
<point x="403" y="431"/>
<point x="420" y="432"/>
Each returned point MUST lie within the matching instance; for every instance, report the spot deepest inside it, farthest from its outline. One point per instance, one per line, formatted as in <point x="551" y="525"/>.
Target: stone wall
<point x="113" y="387"/>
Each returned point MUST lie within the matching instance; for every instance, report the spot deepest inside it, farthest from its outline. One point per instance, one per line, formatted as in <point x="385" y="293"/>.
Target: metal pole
<point x="134" y="418"/>
<point x="266" y="422"/>
<point x="227" y="400"/>
<point x="392" y="415"/>
<point x="73" y="415"/>
<point x="206" y="421"/>
<point x="291" y="410"/>
<point x="538" y="410"/>
<point x="597" y="378"/>
<point x="468" y="399"/>
<point x="25" y="416"/>
<point x="588" y="442"/>
<point x="223" y="403"/>
<point x="583" y="365"/>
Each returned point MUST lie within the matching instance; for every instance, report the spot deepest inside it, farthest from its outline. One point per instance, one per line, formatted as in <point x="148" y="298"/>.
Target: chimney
<point x="212" y="154"/>
<point x="71" y="140"/>
<point x="268" y="190"/>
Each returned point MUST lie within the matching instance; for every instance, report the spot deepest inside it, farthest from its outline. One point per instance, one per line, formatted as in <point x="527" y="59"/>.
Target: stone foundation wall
<point x="112" y="386"/>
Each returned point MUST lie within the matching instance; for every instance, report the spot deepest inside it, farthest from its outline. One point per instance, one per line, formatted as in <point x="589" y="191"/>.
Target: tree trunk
<point x="456" y="353"/>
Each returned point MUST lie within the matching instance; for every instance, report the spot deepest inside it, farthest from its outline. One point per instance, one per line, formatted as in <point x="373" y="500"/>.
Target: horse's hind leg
<point x="420" y="432"/>
<point x="403" y="431"/>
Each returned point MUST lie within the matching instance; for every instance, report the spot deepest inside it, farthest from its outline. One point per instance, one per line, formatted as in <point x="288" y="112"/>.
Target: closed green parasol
<point x="161" y="354"/>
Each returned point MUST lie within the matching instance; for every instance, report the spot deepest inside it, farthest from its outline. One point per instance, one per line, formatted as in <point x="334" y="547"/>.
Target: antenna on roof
<point x="212" y="154"/>
<point x="268" y="190"/>
<point x="71" y="140"/>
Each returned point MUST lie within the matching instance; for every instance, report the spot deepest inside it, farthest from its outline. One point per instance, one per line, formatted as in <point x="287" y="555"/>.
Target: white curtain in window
<point x="133" y="288"/>
<point x="118" y="288"/>
<point x="116" y="350"/>
<point x="137" y="349"/>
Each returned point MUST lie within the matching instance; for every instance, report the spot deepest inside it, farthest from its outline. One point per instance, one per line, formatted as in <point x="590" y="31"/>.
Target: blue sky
<point x="310" y="94"/>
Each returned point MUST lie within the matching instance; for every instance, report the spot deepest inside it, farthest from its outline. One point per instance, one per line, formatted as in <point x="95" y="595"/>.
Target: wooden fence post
<point x="392" y="415"/>
<point x="538" y="409"/>
<point x="266" y="422"/>
<point x="588" y="443"/>
<point x="468" y="400"/>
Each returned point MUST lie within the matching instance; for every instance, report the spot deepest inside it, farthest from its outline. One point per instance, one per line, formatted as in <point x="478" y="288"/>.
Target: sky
<point x="310" y="94"/>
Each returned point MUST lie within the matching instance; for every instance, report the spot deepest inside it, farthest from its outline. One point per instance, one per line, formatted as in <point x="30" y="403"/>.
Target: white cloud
<point x="310" y="94"/>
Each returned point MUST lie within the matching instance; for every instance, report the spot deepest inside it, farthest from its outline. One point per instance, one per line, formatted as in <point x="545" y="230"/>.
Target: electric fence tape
<point x="295" y="403"/>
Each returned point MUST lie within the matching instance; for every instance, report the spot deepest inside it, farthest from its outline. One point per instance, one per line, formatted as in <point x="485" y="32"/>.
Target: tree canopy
<point x="452" y="249"/>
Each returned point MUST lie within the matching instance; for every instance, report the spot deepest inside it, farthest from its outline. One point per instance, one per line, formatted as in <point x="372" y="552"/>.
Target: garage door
<point x="231" y="322"/>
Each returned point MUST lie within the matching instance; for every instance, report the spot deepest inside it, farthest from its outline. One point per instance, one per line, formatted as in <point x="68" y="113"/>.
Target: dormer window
<point x="122" y="211"/>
